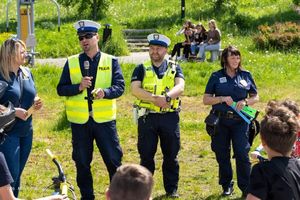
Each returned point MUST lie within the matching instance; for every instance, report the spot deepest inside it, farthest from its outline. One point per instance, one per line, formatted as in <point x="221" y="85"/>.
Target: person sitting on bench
<point x="212" y="42"/>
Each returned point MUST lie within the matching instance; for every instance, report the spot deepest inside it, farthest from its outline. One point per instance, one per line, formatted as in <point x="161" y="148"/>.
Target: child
<point x="293" y="106"/>
<point x="199" y="36"/>
<point x="278" y="177"/>
<point x="130" y="182"/>
<point x="187" y="30"/>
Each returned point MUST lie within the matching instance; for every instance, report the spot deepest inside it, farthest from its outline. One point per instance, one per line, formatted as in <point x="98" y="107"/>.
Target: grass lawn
<point x="198" y="168"/>
<point x="276" y="74"/>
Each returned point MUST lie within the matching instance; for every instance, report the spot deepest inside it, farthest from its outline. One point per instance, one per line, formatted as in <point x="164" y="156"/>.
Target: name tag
<point x="223" y="80"/>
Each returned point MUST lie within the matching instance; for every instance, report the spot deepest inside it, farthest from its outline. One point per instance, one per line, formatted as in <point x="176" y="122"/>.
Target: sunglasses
<point x="86" y="36"/>
<point x="11" y="42"/>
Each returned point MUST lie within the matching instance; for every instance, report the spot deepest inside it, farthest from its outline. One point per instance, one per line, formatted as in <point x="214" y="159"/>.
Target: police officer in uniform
<point x="231" y="84"/>
<point x="91" y="81"/>
<point x="21" y="92"/>
<point x="157" y="84"/>
<point x="7" y="117"/>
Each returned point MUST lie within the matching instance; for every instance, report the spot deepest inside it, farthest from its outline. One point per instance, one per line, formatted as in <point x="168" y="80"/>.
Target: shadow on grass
<point x="219" y="197"/>
<point x="164" y="197"/>
<point x="170" y="20"/>
<point x="160" y="197"/>
<point x="247" y="24"/>
<point x="243" y="21"/>
<point x="211" y="197"/>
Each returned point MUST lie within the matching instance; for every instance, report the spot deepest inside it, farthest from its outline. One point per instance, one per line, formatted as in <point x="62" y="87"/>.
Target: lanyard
<point x="21" y="84"/>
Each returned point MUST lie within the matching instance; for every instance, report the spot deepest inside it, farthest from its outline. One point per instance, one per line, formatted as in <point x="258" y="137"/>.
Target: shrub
<point x="95" y="9"/>
<point x="57" y="44"/>
<point x="296" y="2"/>
<point x="278" y="36"/>
<point x="240" y="22"/>
<point x="243" y="21"/>
<point x="115" y="45"/>
<point x="48" y="25"/>
<point x="65" y="43"/>
<point x="4" y="36"/>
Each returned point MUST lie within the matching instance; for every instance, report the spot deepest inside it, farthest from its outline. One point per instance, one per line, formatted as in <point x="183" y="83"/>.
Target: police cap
<point x="159" y="39"/>
<point x="83" y="26"/>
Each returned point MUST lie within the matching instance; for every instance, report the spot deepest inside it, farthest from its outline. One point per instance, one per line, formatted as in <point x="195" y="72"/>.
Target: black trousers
<point x="166" y="128"/>
<point x="235" y="132"/>
<point x="178" y="47"/>
<point x="107" y="141"/>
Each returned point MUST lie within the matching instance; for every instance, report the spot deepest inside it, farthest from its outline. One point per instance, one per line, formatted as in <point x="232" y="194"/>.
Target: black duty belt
<point x="227" y="115"/>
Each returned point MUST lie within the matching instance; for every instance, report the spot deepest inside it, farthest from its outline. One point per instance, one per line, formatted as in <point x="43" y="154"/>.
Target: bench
<point x="215" y="55"/>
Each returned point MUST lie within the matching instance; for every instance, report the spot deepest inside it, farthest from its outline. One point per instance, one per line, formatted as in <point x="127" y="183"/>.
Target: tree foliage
<point x="296" y="2"/>
<point x="94" y="9"/>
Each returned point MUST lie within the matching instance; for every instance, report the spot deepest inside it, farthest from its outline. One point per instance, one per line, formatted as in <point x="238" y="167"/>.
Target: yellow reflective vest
<point x="104" y="110"/>
<point x="153" y="84"/>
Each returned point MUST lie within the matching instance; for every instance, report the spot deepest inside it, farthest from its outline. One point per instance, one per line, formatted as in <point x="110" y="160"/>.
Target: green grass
<point x="276" y="74"/>
<point x="165" y="17"/>
<point x="275" y="77"/>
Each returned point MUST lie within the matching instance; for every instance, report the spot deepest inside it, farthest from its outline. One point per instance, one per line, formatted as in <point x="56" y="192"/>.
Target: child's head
<point x="131" y="182"/>
<point x="279" y="127"/>
<point x="189" y="31"/>
<point x="292" y="105"/>
<point x="200" y="27"/>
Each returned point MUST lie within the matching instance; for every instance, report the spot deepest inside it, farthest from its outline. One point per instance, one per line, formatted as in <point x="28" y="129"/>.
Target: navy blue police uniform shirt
<point x="24" y="100"/>
<point x="5" y="176"/>
<point x="65" y="87"/>
<point x="139" y="72"/>
<point x="238" y="87"/>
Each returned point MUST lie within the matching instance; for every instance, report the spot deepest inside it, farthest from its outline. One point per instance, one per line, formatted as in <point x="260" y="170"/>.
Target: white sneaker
<point x="179" y="58"/>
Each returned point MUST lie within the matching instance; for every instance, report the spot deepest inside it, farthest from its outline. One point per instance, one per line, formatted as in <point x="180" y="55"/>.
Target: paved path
<point x="134" y="57"/>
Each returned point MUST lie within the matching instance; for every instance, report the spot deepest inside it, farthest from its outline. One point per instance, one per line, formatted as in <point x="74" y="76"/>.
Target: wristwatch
<point x="168" y="98"/>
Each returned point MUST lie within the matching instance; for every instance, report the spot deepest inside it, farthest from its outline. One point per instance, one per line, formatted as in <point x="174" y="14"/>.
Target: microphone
<point x="86" y="65"/>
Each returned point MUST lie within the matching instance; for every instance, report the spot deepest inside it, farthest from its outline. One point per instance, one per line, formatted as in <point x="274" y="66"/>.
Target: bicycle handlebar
<point x="61" y="176"/>
<point x="60" y="184"/>
<point x="50" y="153"/>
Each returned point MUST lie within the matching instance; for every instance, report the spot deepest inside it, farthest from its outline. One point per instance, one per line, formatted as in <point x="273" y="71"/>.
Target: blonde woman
<point x="21" y="93"/>
<point x="212" y="42"/>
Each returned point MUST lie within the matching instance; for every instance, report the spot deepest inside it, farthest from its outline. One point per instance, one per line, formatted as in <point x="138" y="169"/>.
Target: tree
<point x="94" y="9"/>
